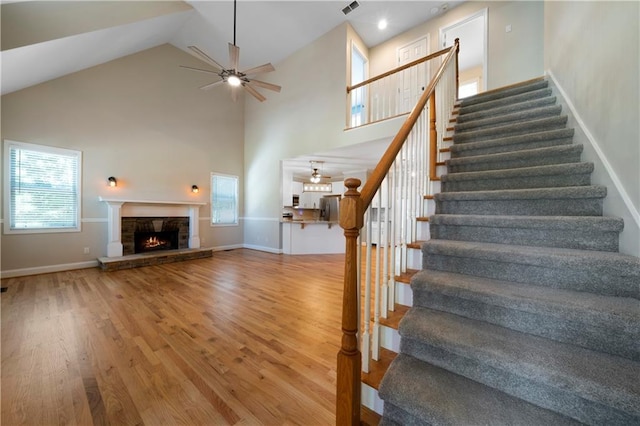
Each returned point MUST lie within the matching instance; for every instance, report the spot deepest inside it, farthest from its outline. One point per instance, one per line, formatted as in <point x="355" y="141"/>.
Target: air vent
<point x="352" y="6"/>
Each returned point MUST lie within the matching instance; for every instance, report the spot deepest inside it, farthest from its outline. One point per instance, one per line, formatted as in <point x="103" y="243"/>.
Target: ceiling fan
<point x="316" y="176"/>
<point x="231" y="75"/>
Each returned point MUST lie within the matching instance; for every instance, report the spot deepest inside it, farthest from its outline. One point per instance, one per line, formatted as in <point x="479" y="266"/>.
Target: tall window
<point x="224" y="199"/>
<point x="42" y="188"/>
<point x="358" y="75"/>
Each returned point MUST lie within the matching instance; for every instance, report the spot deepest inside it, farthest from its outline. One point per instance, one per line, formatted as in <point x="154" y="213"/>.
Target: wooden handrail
<point x="398" y="69"/>
<point x="352" y="208"/>
<point x="377" y="176"/>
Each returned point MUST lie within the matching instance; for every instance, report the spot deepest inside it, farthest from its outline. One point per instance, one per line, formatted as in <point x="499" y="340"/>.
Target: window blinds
<point x="44" y="187"/>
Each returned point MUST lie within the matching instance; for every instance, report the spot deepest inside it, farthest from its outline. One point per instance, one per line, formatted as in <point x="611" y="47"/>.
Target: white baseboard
<point x="228" y="247"/>
<point x="48" y="269"/>
<point x="262" y="248"/>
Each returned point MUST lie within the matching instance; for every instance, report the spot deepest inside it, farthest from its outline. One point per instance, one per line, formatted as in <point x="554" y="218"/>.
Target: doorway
<point x="472" y="60"/>
<point x="413" y="80"/>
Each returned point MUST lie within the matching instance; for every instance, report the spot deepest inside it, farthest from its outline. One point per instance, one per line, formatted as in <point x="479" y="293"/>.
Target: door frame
<point x="482" y="13"/>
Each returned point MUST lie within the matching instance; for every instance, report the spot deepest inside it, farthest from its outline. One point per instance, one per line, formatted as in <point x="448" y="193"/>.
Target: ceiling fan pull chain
<point x="234" y="22"/>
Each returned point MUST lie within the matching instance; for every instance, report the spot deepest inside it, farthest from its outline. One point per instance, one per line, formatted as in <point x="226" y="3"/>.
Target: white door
<point x="412" y="81"/>
<point x="472" y="59"/>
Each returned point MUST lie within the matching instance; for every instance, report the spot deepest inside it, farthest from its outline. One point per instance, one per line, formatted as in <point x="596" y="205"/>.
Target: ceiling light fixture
<point x="382" y="24"/>
<point x="234" y="80"/>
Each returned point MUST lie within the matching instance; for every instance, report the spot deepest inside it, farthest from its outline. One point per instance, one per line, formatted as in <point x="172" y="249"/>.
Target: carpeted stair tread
<point x="554" y="175"/>
<point x="496" y="98"/>
<point x="530" y="114"/>
<point x="417" y="393"/>
<point x="520" y="106"/>
<point x="584" y="201"/>
<point x="511" y="129"/>
<point x="591" y="191"/>
<point x="604" y="323"/>
<point x="576" y="232"/>
<point x="538" y="139"/>
<point x="595" y="223"/>
<point x="604" y="388"/>
<point x="598" y="272"/>
<point x="560" y="154"/>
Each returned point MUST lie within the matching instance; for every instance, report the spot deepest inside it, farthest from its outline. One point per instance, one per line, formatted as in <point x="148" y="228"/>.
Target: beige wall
<point x="307" y="117"/>
<point x="141" y="119"/>
<point x="591" y="49"/>
<point x="512" y="57"/>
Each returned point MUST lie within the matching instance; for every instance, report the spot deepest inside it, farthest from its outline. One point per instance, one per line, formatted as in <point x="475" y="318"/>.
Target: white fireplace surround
<point x="117" y="209"/>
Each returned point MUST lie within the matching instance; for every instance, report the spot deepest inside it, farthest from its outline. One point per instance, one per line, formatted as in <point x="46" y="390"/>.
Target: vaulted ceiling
<point x="43" y="40"/>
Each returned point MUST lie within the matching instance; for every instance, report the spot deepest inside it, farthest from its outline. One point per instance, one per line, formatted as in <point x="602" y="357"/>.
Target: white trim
<point x="94" y="220"/>
<point x="262" y="248"/>
<point x="610" y="170"/>
<point x="263" y="219"/>
<point x="228" y="247"/>
<point x="71" y="153"/>
<point x="48" y="269"/>
<point x="370" y="398"/>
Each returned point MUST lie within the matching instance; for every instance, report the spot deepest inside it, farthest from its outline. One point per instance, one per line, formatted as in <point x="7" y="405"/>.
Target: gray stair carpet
<point x="524" y="312"/>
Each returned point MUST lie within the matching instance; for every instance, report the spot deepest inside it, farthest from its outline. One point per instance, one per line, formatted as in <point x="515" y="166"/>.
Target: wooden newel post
<point x="349" y="358"/>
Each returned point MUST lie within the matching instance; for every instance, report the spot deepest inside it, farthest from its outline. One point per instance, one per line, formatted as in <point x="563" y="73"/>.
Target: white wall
<point x="591" y="50"/>
<point x="512" y="57"/>
<point x="141" y="119"/>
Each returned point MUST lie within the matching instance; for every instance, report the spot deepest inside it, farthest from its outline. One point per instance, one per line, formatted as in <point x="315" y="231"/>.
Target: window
<point x="468" y="89"/>
<point x="358" y="75"/>
<point x="224" y="199"/>
<point x="42" y="188"/>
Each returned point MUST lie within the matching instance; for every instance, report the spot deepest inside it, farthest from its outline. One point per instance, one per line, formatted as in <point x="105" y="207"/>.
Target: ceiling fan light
<point x="234" y="80"/>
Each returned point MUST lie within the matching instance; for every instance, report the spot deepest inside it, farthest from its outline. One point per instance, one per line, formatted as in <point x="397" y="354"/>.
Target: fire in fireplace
<point x="148" y="234"/>
<point x="152" y="241"/>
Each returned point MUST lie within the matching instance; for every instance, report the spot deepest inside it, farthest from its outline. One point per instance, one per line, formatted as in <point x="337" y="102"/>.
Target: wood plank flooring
<point x="242" y="338"/>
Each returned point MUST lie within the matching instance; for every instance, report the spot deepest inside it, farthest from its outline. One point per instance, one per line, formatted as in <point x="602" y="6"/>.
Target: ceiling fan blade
<point x="234" y="55"/>
<point x="198" y="69"/>
<point x="255" y="93"/>
<point x="259" y="70"/>
<point x="265" y="85"/>
<point x="212" y="85"/>
<point x="205" y="57"/>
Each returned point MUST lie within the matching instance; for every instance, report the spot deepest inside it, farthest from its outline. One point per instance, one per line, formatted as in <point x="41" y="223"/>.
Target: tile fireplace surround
<point x="118" y="208"/>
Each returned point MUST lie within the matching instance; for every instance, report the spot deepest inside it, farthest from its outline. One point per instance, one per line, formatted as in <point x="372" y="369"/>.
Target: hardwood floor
<point x="244" y="337"/>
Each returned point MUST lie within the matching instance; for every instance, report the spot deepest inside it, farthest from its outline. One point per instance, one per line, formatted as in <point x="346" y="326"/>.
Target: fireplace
<point x="120" y="231"/>
<point x="150" y="234"/>
<point x="154" y="241"/>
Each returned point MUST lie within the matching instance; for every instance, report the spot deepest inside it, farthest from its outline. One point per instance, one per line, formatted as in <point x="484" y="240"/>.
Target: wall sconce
<point x="195" y="189"/>
<point x="112" y="181"/>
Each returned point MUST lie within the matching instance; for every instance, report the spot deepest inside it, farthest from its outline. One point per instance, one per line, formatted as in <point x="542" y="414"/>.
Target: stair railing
<point x="383" y="96"/>
<point x="399" y="183"/>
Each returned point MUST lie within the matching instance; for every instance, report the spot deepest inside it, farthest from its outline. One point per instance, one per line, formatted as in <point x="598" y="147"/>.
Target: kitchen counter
<point x="304" y="222"/>
<point x="312" y="237"/>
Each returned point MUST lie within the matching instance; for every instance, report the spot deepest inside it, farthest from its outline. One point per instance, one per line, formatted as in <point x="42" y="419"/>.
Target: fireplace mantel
<point x="119" y="208"/>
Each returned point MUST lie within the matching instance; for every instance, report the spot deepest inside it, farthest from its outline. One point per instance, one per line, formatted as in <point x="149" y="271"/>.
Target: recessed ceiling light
<point x="382" y="24"/>
<point x="434" y="10"/>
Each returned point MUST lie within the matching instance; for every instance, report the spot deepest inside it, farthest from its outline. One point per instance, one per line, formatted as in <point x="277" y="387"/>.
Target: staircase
<point x="524" y="312"/>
